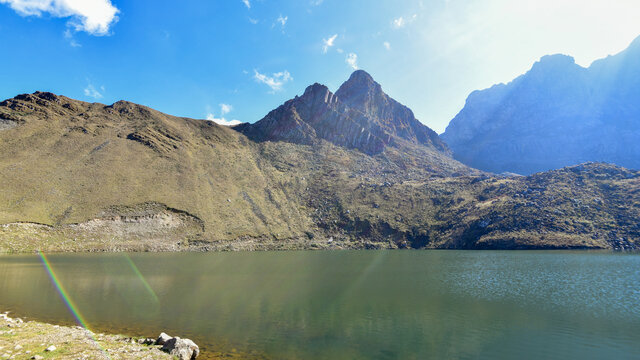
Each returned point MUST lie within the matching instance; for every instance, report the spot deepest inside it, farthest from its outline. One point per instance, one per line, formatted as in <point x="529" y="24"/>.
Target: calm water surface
<point x="350" y="305"/>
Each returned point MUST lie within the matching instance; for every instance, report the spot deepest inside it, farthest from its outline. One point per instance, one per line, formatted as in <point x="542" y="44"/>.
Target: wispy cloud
<point x="253" y="21"/>
<point x="92" y="16"/>
<point x="352" y="60"/>
<point x="91" y="91"/>
<point x="276" y="81"/>
<point x="387" y="45"/>
<point x="402" y="21"/>
<point x="282" y="20"/>
<point x="316" y="2"/>
<point x="327" y="43"/>
<point x="247" y="4"/>
<point x="225" y="108"/>
<point x="69" y="36"/>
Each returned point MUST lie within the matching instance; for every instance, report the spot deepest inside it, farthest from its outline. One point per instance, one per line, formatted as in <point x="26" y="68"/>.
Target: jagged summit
<point x="359" y="115"/>
<point x="360" y="78"/>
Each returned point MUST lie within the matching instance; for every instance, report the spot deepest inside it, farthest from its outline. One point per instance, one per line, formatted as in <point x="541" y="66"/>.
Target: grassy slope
<point x="68" y="162"/>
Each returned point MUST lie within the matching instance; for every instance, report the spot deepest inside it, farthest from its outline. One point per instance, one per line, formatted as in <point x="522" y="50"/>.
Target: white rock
<point x="50" y="348"/>
<point x="183" y="349"/>
<point x="163" y="338"/>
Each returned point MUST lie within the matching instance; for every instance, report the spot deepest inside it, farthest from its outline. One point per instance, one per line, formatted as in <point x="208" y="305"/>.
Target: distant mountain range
<point x="350" y="170"/>
<point x="557" y="114"/>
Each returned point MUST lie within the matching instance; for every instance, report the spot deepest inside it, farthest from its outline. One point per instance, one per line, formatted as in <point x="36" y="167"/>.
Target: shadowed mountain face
<point x="358" y="116"/>
<point x="557" y="114"/>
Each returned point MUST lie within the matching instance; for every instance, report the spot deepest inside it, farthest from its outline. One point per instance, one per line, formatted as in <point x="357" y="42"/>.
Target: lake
<point x="348" y="304"/>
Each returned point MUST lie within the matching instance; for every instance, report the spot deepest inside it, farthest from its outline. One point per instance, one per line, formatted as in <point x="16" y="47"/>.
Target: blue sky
<point x="239" y="59"/>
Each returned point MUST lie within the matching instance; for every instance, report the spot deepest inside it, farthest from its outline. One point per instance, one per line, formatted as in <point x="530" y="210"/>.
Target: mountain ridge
<point x="557" y="114"/>
<point x="92" y="177"/>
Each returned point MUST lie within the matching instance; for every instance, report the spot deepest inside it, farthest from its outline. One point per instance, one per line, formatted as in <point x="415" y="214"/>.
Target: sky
<point x="235" y="60"/>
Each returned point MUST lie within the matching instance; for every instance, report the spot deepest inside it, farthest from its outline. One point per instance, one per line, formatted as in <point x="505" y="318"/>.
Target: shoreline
<point x="30" y="339"/>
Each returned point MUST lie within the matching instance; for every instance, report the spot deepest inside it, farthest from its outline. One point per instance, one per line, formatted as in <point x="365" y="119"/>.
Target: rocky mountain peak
<point x="317" y="93"/>
<point x="359" y="115"/>
<point x="360" y="78"/>
<point x="359" y="90"/>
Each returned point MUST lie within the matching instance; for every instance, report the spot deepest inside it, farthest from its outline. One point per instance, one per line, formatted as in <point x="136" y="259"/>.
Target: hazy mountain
<point x="555" y="115"/>
<point x="92" y="177"/>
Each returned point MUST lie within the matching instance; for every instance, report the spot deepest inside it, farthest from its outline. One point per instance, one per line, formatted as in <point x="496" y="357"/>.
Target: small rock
<point x="37" y="357"/>
<point x="18" y="347"/>
<point x="162" y="339"/>
<point x="50" y="348"/>
<point x="183" y="349"/>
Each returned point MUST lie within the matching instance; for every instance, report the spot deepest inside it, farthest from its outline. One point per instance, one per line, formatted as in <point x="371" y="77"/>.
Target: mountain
<point x="80" y="176"/>
<point x="557" y="114"/>
<point x="358" y="116"/>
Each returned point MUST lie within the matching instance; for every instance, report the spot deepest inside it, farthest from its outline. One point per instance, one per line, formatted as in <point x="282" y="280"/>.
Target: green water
<point x="350" y="305"/>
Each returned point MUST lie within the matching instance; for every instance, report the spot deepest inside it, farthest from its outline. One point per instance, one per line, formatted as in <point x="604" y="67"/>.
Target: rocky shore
<point x="35" y="340"/>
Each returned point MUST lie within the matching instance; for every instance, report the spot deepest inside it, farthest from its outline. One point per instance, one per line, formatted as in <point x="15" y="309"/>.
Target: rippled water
<point x="350" y="305"/>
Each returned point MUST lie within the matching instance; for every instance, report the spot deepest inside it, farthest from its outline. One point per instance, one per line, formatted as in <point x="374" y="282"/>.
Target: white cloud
<point x="387" y="45"/>
<point x="352" y="60"/>
<point x="91" y="91"/>
<point x="340" y="51"/>
<point x="402" y="22"/>
<point x="225" y="109"/>
<point x="276" y="81"/>
<point x="327" y="43"/>
<point x="223" y="121"/>
<point x="316" y="2"/>
<point x="253" y="21"/>
<point x="282" y="20"/>
<point x="93" y="16"/>
<point x="247" y="4"/>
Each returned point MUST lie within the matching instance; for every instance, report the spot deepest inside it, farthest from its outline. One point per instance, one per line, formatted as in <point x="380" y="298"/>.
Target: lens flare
<point x="68" y="301"/>
<point x="63" y="292"/>
<point x="142" y="279"/>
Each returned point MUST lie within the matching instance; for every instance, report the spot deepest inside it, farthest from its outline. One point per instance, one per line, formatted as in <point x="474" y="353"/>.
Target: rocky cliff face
<point x="557" y="114"/>
<point x="318" y="114"/>
<point x="358" y="116"/>
<point x="362" y="93"/>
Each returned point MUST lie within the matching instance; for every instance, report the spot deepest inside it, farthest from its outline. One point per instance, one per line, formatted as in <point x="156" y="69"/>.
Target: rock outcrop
<point x="557" y="114"/>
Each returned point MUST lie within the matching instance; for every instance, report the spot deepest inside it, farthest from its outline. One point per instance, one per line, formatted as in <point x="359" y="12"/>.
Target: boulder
<point x="163" y="338"/>
<point x="183" y="349"/>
